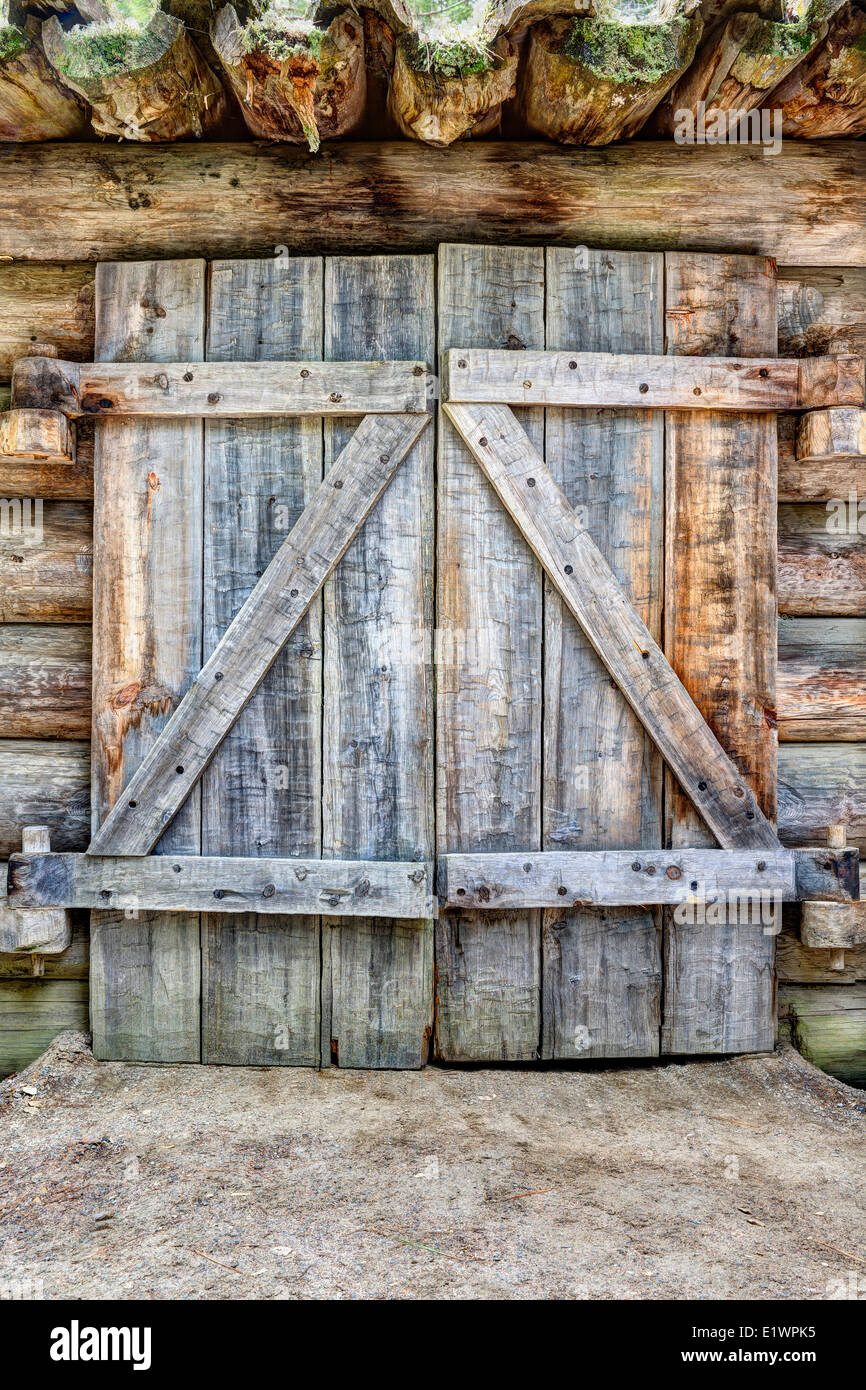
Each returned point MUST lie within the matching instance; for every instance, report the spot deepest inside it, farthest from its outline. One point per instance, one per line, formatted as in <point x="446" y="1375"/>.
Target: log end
<point x="28" y="434"/>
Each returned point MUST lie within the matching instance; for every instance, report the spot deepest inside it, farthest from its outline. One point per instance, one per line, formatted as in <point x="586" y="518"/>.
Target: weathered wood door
<point x="531" y="747"/>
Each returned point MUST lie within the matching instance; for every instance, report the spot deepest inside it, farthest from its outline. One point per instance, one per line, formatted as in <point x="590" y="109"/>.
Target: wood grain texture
<point x="584" y="580"/>
<point x="806" y="206"/>
<point x="53" y="478"/>
<point x="720" y="629"/>
<point x="32" y="1012"/>
<point x="821" y="309"/>
<point x="42" y="303"/>
<point x="147" y="648"/>
<point x="602" y="776"/>
<point x="489" y="679"/>
<point x="798" y="964"/>
<point x="45" y="681"/>
<point x="235" y="390"/>
<point x="821" y="687"/>
<point x="583" y="379"/>
<point x="72" y="964"/>
<point x="43" y="782"/>
<point x="43" y="932"/>
<point x="377" y="796"/>
<point x="822" y="784"/>
<point x="605" y="878"/>
<point x="822" y="562"/>
<point x="251" y="643"/>
<point x="831" y="434"/>
<point x="46" y="562"/>
<point x="262" y="792"/>
<point x="833" y="926"/>
<point x="225" y="883"/>
<point x="829" y="1028"/>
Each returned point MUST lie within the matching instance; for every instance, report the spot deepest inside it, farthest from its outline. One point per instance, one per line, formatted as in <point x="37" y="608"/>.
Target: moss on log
<point x="144" y="82"/>
<point x="34" y="102"/>
<point x="295" y="82"/>
<point x="738" y="63"/>
<point x="445" y="91"/>
<point x="826" y="94"/>
<point x="589" y="82"/>
<point x="829" y="1027"/>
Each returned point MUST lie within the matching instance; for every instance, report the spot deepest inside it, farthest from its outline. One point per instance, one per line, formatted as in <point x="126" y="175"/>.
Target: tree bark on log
<point x="295" y="83"/>
<point x="143" y="85"/>
<point x="440" y="106"/>
<point x="34" y="103"/>
<point x="735" y="67"/>
<point x="826" y="95"/>
<point x="589" y="83"/>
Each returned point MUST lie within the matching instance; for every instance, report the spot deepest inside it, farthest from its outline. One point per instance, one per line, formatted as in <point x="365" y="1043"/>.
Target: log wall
<point x="46" y="606"/>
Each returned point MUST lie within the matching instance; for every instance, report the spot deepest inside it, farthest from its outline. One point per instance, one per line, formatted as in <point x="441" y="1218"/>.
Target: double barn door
<point x="438" y="696"/>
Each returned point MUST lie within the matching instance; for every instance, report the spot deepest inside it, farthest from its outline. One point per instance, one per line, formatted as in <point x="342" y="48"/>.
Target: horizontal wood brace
<point x="170" y="883"/>
<point x="376" y="888"/>
<point x="588" y="379"/>
<point x="214" y="389"/>
<point x="623" y="878"/>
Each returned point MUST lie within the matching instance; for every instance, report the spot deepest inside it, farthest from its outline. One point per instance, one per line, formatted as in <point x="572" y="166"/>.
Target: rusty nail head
<point x="213" y="398"/>
<point x="304" y="372"/>
<point x="673" y="871"/>
<point x="268" y="891"/>
<point x="643" y="388"/>
<point x="483" y="442"/>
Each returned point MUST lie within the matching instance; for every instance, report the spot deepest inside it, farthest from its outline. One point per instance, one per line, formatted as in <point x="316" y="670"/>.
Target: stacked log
<point x="33" y="104"/>
<point x="144" y="82"/>
<point x="294" y="81"/>
<point x="446" y="91"/>
<point x="588" y="82"/>
<point x="738" y="62"/>
<point x="826" y="95"/>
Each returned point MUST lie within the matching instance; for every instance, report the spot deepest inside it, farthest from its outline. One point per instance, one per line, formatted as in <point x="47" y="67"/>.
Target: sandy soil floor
<point x="714" y="1179"/>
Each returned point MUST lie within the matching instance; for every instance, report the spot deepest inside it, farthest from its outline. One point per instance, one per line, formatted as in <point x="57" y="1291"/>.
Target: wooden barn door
<point x="334" y="754"/>
<point x="537" y="747"/>
<point x="340" y="754"/>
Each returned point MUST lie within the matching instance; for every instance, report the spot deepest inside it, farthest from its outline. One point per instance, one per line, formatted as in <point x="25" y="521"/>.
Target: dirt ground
<point x="712" y="1179"/>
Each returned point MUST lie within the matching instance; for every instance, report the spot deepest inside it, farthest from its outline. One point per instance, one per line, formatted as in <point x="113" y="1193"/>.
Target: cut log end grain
<point x="440" y="96"/>
<point x="144" y="84"/>
<point x="296" y="83"/>
<point x="587" y="83"/>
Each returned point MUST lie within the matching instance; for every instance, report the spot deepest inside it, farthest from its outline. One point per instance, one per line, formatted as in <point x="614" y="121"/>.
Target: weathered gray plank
<point x="605" y="878"/>
<point x="248" y="386"/>
<point x="377" y="987"/>
<point x="256" y="635"/>
<point x="643" y="381"/>
<point x="227" y="884"/>
<point x="489" y="679"/>
<point x="583" y="578"/>
<point x="261" y="795"/>
<point x="602" y="776"/>
<point x="45" y="680"/>
<point x="145" y="971"/>
<point x="720" y="635"/>
<point x="821" y="685"/>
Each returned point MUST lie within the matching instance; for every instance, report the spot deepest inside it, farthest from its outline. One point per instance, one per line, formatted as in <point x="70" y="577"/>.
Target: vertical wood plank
<point x="147" y="641"/>
<point x="262" y="792"/>
<point x="602" y="775"/>
<point x="489" y="678"/>
<point x="377" y="987"/>
<point x="720" y="617"/>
